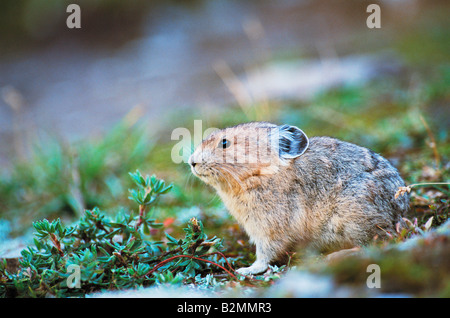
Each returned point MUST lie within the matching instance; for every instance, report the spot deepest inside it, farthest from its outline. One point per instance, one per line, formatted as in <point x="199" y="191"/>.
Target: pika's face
<point x="231" y="156"/>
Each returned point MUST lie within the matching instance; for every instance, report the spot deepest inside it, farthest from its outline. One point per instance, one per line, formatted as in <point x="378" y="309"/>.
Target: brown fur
<point x="332" y="196"/>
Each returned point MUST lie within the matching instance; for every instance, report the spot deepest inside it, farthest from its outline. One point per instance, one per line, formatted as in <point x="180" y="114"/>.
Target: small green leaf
<point x="156" y="225"/>
<point x="146" y="229"/>
<point x="166" y="189"/>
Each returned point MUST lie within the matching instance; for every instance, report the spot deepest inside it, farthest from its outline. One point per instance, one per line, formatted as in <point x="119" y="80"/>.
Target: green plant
<point x="61" y="179"/>
<point x="113" y="254"/>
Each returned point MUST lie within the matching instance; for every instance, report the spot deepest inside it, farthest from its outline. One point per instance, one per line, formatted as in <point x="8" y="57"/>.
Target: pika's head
<point x="233" y="157"/>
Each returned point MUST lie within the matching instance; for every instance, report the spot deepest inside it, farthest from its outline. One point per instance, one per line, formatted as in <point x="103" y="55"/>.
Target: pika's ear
<point x="292" y="141"/>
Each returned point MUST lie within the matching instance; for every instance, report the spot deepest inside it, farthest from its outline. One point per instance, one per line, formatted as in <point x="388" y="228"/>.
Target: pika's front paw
<point x="256" y="268"/>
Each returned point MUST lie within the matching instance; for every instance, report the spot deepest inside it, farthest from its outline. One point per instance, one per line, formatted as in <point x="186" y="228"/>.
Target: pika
<point x="289" y="191"/>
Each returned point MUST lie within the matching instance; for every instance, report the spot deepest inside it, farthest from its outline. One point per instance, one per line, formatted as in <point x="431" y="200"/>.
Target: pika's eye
<point x="224" y="143"/>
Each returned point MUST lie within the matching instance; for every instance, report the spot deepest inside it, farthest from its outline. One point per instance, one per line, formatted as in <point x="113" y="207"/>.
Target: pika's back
<point x="331" y="167"/>
<point x="343" y="158"/>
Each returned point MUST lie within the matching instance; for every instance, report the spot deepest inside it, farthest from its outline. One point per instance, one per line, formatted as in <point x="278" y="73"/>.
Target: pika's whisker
<point x="223" y="176"/>
<point x="188" y="185"/>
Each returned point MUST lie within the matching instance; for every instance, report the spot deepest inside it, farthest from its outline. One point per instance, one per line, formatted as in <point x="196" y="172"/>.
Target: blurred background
<point x="164" y="56"/>
<point x="80" y="108"/>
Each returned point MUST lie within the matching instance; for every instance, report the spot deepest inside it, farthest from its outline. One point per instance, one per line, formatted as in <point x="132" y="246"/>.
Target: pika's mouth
<point x="198" y="174"/>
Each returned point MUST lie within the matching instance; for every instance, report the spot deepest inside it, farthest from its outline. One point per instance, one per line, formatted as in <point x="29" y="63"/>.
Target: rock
<point x="10" y="251"/>
<point x="302" y="284"/>
<point x="12" y="264"/>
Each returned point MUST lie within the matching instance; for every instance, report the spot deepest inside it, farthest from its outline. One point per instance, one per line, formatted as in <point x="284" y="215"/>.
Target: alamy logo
<point x="183" y="149"/>
<point x="374" y="19"/>
<point x="74" y="279"/>
<point x="253" y="145"/>
<point x="74" y="19"/>
<point x="374" y="279"/>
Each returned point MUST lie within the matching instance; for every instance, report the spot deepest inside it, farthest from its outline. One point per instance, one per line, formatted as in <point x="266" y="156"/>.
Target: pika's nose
<point x="191" y="162"/>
